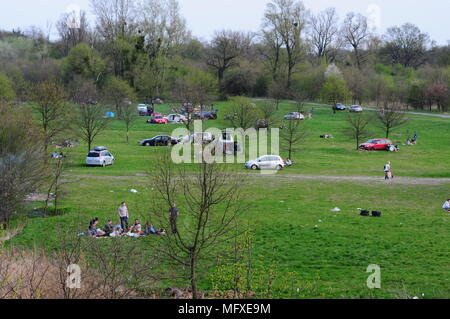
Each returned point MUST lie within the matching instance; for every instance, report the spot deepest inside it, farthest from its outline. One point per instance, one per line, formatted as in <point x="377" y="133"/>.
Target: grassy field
<point x="290" y="216"/>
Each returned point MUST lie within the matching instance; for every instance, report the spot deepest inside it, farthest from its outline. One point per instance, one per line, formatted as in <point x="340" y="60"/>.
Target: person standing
<point x="123" y="214"/>
<point x="387" y="171"/>
<point x="174" y="212"/>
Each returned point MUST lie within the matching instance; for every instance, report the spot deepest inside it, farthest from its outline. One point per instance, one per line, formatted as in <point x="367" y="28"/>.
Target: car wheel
<point x="372" y="149"/>
<point x="279" y="168"/>
<point x="104" y="164"/>
<point x="147" y="144"/>
<point x="254" y="167"/>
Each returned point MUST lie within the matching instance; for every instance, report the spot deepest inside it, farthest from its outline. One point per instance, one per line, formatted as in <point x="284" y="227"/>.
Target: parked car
<point x="160" y="140"/>
<point x="100" y="156"/>
<point x="266" y="162"/>
<point x="340" y="107"/>
<point x="261" y="124"/>
<point x="294" y="116"/>
<point x="355" y="109"/>
<point x="157" y="101"/>
<point x="157" y="120"/>
<point x="205" y="115"/>
<point x="142" y="109"/>
<point x="176" y="118"/>
<point x="205" y="137"/>
<point x="376" y="144"/>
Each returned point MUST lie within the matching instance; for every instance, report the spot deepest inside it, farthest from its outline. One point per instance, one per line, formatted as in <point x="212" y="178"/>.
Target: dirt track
<point x="397" y="180"/>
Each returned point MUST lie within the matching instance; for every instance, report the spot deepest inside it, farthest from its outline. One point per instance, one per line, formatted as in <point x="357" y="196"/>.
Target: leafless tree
<point x="89" y="122"/>
<point x="57" y="168"/>
<point x="391" y="118"/>
<point x="225" y="49"/>
<point x="357" y="127"/>
<point x="242" y="113"/>
<point x="406" y="45"/>
<point x="292" y="135"/>
<point x="271" y="50"/>
<point x="323" y="31"/>
<point x="209" y="198"/>
<point x="73" y="28"/>
<point x="287" y="19"/>
<point x="129" y="116"/>
<point x="268" y="111"/>
<point x="50" y="104"/>
<point x="355" y="30"/>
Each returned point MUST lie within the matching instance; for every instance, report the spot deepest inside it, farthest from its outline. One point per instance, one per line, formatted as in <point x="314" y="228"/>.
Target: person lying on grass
<point x="149" y="229"/>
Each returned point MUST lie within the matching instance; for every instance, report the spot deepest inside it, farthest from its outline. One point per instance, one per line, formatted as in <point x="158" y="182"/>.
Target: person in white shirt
<point x="123" y="214"/>
<point x="387" y="171"/>
<point x="446" y="205"/>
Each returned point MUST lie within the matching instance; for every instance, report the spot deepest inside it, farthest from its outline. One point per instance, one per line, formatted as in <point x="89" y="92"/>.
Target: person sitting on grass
<point x="93" y="231"/>
<point x="137" y="228"/>
<point x="446" y="206"/>
<point x="149" y="229"/>
<point x="108" y="228"/>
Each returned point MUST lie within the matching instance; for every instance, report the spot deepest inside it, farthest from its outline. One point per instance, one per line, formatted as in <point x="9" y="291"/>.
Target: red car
<point x="376" y="144"/>
<point x="157" y="120"/>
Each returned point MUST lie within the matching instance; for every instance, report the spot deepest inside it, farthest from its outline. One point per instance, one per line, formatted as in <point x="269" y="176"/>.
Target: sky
<point x="205" y="16"/>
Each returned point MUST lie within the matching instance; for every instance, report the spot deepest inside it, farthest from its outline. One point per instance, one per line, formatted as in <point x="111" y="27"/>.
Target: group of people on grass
<point x="122" y="228"/>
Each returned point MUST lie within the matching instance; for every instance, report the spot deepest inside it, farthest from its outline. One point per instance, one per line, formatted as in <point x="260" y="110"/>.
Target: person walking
<point x="123" y="214"/>
<point x="174" y="212"/>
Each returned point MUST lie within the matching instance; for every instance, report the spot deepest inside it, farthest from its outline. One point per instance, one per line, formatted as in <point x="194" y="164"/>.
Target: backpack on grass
<point x="365" y="213"/>
<point x="376" y="213"/>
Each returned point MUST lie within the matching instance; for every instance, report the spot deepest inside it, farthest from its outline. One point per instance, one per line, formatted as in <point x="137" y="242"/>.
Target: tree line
<point x="143" y="49"/>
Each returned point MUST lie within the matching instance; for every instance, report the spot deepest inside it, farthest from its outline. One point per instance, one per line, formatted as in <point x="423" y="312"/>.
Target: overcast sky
<point x="206" y="16"/>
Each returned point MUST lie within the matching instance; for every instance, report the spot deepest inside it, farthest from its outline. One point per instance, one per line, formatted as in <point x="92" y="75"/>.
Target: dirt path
<point x="374" y="179"/>
<point x="397" y="180"/>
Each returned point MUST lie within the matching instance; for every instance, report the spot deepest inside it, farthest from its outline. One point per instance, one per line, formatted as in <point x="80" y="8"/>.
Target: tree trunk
<point x="193" y="276"/>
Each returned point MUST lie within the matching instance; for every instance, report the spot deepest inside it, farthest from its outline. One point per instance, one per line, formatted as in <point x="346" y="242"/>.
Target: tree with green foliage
<point x="84" y="61"/>
<point x="7" y="93"/>
<point x="334" y="91"/>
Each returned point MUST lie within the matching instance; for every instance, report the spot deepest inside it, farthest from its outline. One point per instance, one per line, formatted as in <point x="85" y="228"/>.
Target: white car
<point x="176" y="118"/>
<point x="205" y="137"/>
<point x="100" y="156"/>
<point x="273" y="162"/>
<point x="294" y="116"/>
<point x="142" y="108"/>
<point x="355" y="109"/>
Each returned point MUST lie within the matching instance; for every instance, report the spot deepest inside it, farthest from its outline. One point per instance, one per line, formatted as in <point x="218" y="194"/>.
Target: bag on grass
<point x="365" y="213"/>
<point x="376" y="213"/>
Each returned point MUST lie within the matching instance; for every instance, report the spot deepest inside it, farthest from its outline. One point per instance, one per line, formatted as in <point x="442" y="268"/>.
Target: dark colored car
<point x="160" y="140"/>
<point x="205" y="115"/>
<point x="376" y="144"/>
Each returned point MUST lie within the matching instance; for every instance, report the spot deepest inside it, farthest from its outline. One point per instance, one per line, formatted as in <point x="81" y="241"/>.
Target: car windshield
<point x="93" y="154"/>
<point x="372" y="141"/>
<point x="158" y="117"/>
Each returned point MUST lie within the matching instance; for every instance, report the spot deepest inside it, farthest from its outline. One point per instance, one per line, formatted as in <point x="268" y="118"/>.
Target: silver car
<point x="100" y="156"/>
<point x="355" y="109"/>
<point x="272" y="162"/>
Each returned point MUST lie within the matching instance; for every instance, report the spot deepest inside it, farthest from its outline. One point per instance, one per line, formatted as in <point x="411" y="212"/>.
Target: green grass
<point x="409" y="242"/>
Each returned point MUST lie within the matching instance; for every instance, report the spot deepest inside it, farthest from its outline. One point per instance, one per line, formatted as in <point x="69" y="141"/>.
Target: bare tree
<point x="391" y="118"/>
<point x="406" y="45"/>
<point x="271" y="50"/>
<point x="357" y="127"/>
<point x="50" y="104"/>
<point x="225" y="49"/>
<point x="129" y="116"/>
<point x="242" y="113"/>
<point x="355" y="30"/>
<point x="57" y="168"/>
<point x="209" y="198"/>
<point x="90" y="122"/>
<point x="323" y="31"/>
<point x="287" y="18"/>
<point x="268" y="111"/>
<point x="73" y="28"/>
<point x="292" y="135"/>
